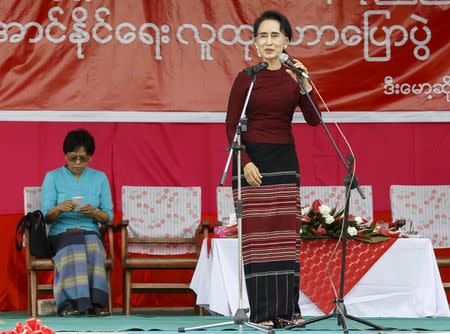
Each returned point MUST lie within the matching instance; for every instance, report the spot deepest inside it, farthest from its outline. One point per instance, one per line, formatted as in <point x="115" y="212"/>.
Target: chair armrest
<point x="124" y="237"/>
<point x="202" y="228"/>
<point x="206" y="228"/>
<point x="107" y="228"/>
<point x="443" y="262"/>
<point x="110" y="229"/>
<point x="124" y="223"/>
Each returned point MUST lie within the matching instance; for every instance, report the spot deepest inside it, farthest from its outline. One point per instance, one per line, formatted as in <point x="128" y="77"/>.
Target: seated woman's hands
<point x="88" y="210"/>
<point x="91" y="211"/>
<point x="70" y="205"/>
<point x="66" y="206"/>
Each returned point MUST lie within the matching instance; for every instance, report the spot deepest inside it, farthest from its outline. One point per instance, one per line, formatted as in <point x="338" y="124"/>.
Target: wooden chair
<point x="160" y="221"/>
<point x="427" y="210"/>
<point x="444" y="264"/>
<point x="32" y="201"/>
<point x="334" y="196"/>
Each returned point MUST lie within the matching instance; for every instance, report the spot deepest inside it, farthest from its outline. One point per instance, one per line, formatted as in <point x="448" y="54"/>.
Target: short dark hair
<point x="285" y="26"/>
<point x="78" y="138"/>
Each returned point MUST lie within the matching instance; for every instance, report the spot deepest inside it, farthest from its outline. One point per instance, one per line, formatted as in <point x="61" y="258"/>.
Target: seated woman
<point x="75" y="198"/>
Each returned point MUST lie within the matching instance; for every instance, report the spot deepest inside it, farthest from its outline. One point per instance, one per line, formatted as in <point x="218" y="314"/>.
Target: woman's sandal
<point x="297" y="320"/>
<point x="266" y="323"/>
<point x="99" y="311"/>
<point x="69" y="313"/>
<point x="281" y="323"/>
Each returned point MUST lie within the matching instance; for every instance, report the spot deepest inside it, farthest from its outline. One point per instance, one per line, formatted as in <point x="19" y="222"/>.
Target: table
<point x="404" y="282"/>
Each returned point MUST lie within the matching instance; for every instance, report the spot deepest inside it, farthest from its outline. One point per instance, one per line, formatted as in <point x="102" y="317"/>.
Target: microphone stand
<point x="350" y="182"/>
<point x="240" y="317"/>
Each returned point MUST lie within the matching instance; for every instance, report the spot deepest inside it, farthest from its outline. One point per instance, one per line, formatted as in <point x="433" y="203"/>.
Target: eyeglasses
<point x="80" y="158"/>
<point x="264" y="37"/>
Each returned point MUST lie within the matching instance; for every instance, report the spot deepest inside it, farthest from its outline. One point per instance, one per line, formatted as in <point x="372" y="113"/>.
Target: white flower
<point x="329" y="219"/>
<point x="306" y="210"/>
<point x="301" y="230"/>
<point x="352" y="231"/>
<point x="358" y="220"/>
<point x="324" y="210"/>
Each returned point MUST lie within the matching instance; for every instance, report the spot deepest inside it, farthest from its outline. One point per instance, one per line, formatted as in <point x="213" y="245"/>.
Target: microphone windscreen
<point x="283" y="57"/>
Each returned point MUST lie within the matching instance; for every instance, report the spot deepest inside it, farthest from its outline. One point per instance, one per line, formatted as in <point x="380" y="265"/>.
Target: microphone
<point x="284" y="58"/>
<point x="256" y="68"/>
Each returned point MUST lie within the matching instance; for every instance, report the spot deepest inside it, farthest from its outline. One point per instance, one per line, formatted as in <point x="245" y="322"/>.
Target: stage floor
<point x="170" y="322"/>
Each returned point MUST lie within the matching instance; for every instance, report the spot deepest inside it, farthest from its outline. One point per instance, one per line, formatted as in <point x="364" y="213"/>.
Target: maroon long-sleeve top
<point x="270" y="109"/>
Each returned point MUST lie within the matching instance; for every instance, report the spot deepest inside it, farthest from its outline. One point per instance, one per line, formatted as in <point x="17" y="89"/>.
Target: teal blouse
<point x="60" y="185"/>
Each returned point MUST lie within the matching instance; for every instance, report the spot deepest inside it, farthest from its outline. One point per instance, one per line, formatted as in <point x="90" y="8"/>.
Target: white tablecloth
<point x="404" y="282"/>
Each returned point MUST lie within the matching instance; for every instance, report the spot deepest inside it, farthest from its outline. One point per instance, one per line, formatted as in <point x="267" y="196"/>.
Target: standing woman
<point x="80" y="284"/>
<point x="271" y="179"/>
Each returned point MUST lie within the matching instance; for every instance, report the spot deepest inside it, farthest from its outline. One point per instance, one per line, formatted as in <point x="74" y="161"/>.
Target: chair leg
<point x="127" y="292"/>
<point x="198" y="310"/>
<point x="108" y="278"/>
<point x="28" y="293"/>
<point x="33" y="292"/>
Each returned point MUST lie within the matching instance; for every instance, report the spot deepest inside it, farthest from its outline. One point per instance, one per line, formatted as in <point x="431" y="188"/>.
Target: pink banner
<point x="195" y="155"/>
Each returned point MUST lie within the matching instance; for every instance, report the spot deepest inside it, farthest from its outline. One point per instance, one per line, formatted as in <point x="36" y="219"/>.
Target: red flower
<point x="320" y="230"/>
<point x="33" y="326"/>
<point x="315" y="206"/>
<point x="384" y="231"/>
<point x="305" y="219"/>
<point x="317" y="224"/>
<point x="362" y="235"/>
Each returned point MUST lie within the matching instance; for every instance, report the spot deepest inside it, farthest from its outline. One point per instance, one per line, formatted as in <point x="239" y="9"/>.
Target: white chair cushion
<point x="427" y="208"/>
<point x="158" y="212"/>
<point x="334" y="196"/>
<point x="32" y="199"/>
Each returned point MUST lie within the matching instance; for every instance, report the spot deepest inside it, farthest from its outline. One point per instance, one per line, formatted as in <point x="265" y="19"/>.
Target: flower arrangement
<point x="321" y="221"/>
<point x="32" y="326"/>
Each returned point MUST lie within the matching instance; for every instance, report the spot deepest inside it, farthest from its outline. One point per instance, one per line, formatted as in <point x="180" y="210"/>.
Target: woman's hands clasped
<point x="252" y="174"/>
<point x="69" y="205"/>
<point x="66" y="206"/>
<point x="88" y="210"/>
